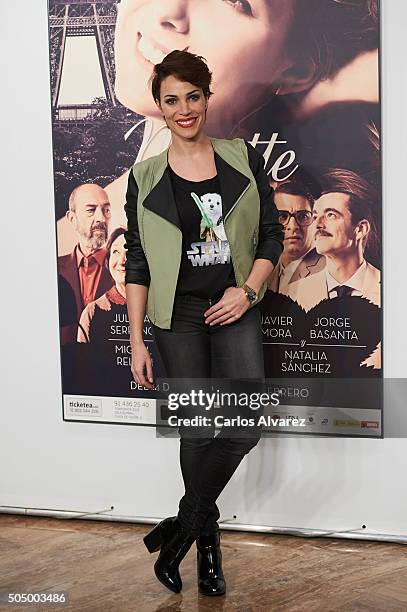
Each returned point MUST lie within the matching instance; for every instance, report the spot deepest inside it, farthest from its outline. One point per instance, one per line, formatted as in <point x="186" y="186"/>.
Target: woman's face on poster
<point x="242" y="42"/>
<point x="117" y="260"/>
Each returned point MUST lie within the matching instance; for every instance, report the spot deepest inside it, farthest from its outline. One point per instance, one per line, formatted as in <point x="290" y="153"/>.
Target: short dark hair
<point x="330" y="33"/>
<point x="300" y="184"/>
<point x="118" y="231"/>
<point x="363" y="200"/>
<point x="185" y="66"/>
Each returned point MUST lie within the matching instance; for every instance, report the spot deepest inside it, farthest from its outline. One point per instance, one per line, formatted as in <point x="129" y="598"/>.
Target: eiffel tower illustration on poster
<point x="95" y="18"/>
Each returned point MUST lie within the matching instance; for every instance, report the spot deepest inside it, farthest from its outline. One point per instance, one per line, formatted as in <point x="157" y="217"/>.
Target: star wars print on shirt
<point x="206" y="268"/>
<point x="215" y="248"/>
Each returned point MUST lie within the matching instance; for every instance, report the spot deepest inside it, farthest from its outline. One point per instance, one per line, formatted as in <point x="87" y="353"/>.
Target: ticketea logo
<point x="83" y="407"/>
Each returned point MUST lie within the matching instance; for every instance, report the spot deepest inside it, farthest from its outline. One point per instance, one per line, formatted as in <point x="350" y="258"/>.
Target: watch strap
<point x="250" y="293"/>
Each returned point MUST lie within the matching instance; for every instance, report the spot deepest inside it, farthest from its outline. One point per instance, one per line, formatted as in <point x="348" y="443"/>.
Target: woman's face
<point x="183" y="106"/>
<point x="117" y="260"/>
<point x="242" y="42"/>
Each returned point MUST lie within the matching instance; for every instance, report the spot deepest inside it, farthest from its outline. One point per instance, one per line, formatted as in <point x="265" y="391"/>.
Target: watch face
<point x="251" y="295"/>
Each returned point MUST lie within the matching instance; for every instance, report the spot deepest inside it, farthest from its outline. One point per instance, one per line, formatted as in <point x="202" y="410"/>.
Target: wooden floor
<point x="104" y="566"/>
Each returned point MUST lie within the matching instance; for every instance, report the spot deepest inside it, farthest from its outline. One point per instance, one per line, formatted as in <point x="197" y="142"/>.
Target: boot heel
<point x="153" y="539"/>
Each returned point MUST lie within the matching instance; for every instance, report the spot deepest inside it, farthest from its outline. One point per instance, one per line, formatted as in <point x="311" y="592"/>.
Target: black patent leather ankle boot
<point x="173" y="550"/>
<point x="211" y="580"/>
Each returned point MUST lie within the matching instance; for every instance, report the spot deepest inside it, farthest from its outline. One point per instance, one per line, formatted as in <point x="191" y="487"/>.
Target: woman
<point x="222" y="31"/>
<point x="103" y="368"/>
<point x="273" y="63"/>
<point x="202" y="239"/>
<point x="98" y="315"/>
<point x="257" y="50"/>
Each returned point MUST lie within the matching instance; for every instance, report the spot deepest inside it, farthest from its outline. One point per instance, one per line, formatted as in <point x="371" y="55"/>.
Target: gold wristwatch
<point x="250" y="293"/>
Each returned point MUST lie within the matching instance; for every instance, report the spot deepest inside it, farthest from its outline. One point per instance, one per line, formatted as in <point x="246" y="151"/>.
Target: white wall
<point x="47" y="463"/>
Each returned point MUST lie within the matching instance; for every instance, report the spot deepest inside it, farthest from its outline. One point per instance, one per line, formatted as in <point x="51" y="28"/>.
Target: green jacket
<point x="154" y="236"/>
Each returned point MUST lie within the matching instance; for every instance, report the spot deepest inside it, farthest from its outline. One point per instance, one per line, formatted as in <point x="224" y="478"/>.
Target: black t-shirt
<point x="206" y="267"/>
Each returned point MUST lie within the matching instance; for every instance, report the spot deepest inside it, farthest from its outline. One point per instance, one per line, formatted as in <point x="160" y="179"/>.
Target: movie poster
<point x="299" y="80"/>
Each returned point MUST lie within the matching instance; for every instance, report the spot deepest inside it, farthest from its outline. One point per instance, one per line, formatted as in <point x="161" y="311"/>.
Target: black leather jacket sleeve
<point x="271" y="234"/>
<point x="137" y="270"/>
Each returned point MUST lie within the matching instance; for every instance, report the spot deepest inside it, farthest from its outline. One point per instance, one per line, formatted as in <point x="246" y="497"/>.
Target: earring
<point x="277" y="91"/>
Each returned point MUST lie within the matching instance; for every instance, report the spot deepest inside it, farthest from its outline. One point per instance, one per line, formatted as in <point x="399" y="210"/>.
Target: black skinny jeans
<point x="191" y="349"/>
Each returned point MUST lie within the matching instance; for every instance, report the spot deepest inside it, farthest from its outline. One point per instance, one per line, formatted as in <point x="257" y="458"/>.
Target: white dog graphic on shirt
<point x="210" y="205"/>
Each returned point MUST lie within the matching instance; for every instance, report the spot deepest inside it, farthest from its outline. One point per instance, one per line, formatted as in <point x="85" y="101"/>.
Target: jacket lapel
<point x="274" y="279"/>
<point x="161" y="199"/>
<point x="232" y="184"/>
<point x="106" y="282"/>
<point x="310" y="264"/>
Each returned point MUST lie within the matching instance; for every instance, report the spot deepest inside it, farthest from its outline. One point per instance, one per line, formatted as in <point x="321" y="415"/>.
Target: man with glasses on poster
<point x="299" y="259"/>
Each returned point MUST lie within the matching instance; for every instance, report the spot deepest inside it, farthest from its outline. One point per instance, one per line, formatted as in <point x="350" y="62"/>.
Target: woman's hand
<point x="142" y="365"/>
<point x="230" y="307"/>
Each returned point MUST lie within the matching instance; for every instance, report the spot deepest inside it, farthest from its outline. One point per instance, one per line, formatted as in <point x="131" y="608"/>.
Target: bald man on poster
<point x="83" y="274"/>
